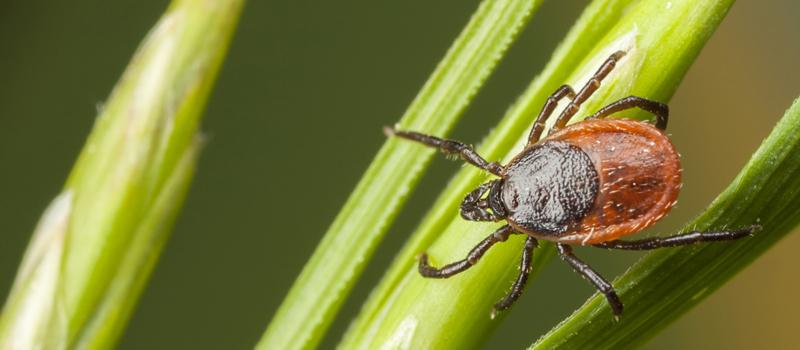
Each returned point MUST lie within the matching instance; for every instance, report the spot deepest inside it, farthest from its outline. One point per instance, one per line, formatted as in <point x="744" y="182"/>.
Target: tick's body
<point x="592" y="182"/>
<point x="589" y="184"/>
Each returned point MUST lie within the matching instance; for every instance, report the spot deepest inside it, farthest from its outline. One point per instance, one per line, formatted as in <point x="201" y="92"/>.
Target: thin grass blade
<point x="326" y="280"/>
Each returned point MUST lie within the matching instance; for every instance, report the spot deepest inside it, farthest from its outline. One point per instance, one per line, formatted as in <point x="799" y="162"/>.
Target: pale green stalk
<point x="97" y="243"/>
<point x="665" y="284"/>
<point x="408" y="311"/>
<point x="326" y="280"/>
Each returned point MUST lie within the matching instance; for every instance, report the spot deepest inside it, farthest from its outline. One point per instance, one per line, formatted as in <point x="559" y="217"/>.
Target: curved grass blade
<point x="97" y="243"/>
<point x="326" y="280"/>
<point x="406" y="309"/>
<point x="665" y="284"/>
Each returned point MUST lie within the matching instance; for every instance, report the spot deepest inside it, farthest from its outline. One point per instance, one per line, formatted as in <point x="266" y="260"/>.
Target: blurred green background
<point x="296" y="117"/>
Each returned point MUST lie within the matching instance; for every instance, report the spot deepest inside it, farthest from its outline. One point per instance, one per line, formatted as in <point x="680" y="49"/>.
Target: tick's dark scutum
<point x="548" y="188"/>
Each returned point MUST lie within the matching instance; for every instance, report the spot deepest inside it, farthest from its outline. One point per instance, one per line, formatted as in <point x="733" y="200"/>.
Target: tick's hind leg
<point x="472" y="258"/>
<point x="448" y="147"/>
<point x="680" y="239"/>
<point x="660" y="110"/>
<point x="591" y="86"/>
<point x="524" y="270"/>
<point x="547" y="111"/>
<point x="565" y="252"/>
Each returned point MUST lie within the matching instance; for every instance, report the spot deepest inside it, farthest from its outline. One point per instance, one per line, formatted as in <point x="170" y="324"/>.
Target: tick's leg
<point x="680" y="239"/>
<point x="591" y="86"/>
<point x="660" y="110"/>
<point x="524" y="270"/>
<point x="565" y="252"/>
<point x="473" y="208"/>
<point x="472" y="258"/>
<point x="448" y="147"/>
<point x="547" y="110"/>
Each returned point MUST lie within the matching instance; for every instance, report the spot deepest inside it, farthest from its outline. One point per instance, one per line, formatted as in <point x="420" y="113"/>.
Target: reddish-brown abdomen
<point x="639" y="177"/>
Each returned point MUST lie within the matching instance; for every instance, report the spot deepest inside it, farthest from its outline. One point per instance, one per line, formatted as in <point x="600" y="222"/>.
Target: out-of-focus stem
<point x="97" y="243"/>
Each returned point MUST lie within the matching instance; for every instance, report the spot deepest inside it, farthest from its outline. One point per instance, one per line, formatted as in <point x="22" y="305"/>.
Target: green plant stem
<point x="326" y="280"/>
<point x="665" y="284"/>
<point x="661" y="40"/>
<point x="97" y="243"/>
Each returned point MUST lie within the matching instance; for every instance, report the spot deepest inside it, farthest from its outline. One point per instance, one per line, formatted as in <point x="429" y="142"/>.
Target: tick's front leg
<point x="448" y="147"/>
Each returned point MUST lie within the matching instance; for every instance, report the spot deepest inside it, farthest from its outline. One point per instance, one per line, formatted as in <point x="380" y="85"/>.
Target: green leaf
<point x="661" y="38"/>
<point x="97" y="243"/>
<point x="666" y="283"/>
<point x="326" y="280"/>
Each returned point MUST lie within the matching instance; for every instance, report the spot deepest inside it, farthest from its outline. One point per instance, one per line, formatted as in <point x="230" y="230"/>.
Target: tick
<point x="589" y="183"/>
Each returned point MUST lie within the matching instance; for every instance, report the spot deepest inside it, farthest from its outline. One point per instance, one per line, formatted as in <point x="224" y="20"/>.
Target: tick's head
<point x="478" y="206"/>
<point x="495" y="199"/>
